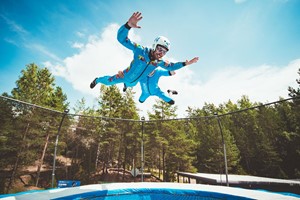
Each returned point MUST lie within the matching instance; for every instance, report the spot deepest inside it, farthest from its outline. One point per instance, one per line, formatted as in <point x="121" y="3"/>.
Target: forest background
<point x="261" y="140"/>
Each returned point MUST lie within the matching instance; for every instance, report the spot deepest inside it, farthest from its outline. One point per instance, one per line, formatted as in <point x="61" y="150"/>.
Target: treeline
<point x="264" y="141"/>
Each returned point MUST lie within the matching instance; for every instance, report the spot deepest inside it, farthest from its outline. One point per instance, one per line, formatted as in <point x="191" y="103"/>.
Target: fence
<point x="40" y="145"/>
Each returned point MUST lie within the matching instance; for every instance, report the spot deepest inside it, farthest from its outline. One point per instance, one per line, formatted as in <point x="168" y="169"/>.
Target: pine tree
<point x="129" y="146"/>
<point x="292" y="135"/>
<point x="35" y="85"/>
<point x="164" y="139"/>
<point x="295" y="92"/>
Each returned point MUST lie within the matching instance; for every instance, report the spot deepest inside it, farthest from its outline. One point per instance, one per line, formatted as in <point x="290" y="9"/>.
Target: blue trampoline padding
<point x="283" y="193"/>
<point x="151" y="194"/>
<point x="148" y="191"/>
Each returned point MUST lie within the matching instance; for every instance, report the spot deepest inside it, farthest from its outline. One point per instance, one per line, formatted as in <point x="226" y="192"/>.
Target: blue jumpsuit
<point x="149" y="86"/>
<point x="141" y="65"/>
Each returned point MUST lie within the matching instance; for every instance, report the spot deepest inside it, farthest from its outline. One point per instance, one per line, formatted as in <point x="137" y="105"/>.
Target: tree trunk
<point x="41" y="161"/>
<point x="17" y="160"/>
<point x="163" y="170"/>
<point x="159" y="164"/>
<point x="119" y="157"/>
<point x="97" y="157"/>
<point x="125" y="155"/>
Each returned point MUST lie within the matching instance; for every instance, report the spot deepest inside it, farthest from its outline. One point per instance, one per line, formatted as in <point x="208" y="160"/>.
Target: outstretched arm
<point x="123" y="31"/>
<point x="194" y="60"/>
<point x="134" y="19"/>
<point x="175" y="66"/>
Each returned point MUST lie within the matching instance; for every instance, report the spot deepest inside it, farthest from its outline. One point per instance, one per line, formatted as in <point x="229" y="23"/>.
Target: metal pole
<point x="55" y="147"/>
<point x="224" y="148"/>
<point x="142" y="149"/>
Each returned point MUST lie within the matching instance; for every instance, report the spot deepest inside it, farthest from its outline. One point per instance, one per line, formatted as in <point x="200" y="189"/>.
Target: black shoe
<point x="124" y="88"/>
<point x="174" y="92"/>
<point x="93" y="84"/>
<point x="172" y="102"/>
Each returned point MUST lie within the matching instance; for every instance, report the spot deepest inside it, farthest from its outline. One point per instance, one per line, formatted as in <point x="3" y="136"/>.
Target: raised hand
<point x="194" y="60"/>
<point x="121" y="74"/>
<point x="134" y="19"/>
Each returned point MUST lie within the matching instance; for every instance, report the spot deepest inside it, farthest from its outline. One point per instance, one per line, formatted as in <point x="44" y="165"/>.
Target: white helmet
<point x="162" y="41"/>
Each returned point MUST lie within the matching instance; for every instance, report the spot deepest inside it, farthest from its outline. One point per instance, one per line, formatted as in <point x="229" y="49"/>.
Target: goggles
<point x="161" y="49"/>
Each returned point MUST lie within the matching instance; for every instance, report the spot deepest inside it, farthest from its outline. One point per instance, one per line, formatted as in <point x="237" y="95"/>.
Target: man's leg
<point x="124" y="87"/>
<point x="93" y="83"/>
<point x="143" y="97"/>
<point x="164" y="97"/>
<point x="107" y="80"/>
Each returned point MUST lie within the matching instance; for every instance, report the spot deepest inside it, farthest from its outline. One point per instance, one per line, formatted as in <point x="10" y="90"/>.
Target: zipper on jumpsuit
<point x="148" y="84"/>
<point x="141" y="73"/>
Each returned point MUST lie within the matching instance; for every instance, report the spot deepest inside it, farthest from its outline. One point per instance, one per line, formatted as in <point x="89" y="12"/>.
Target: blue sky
<point x="246" y="47"/>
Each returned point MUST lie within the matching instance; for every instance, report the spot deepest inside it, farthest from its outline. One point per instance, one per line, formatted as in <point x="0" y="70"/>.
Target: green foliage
<point x="262" y="141"/>
<point x="103" y="142"/>
<point x="295" y="92"/>
<point x="8" y="133"/>
<point x="164" y="139"/>
<point x="31" y="125"/>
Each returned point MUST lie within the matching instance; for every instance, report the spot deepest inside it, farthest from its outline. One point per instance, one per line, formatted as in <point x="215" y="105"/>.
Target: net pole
<point x="224" y="148"/>
<point x="142" y="150"/>
<point x="55" y="148"/>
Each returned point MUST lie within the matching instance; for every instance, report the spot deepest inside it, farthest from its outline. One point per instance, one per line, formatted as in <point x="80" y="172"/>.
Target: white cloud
<point x="77" y="45"/>
<point x="14" y="26"/>
<point x="103" y="55"/>
<point x="25" y="39"/>
<point x="261" y="84"/>
<point x="57" y="70"/>
<point x="11" y="41"/>
<point x="80" y="34"/>
<point x="42" y="49"/>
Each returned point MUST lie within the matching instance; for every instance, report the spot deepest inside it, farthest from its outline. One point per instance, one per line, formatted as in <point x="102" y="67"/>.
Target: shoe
<point x="174" y="92"/>
<point x="124" y="88"/>
<point x="172" y="102"/>
<point x="93" y="84"/>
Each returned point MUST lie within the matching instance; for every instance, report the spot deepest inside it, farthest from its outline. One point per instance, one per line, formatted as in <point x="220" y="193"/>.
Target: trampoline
<point x="147" y="191"/>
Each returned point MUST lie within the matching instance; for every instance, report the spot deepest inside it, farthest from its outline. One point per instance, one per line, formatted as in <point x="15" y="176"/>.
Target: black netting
<point x="258" y="140"/>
